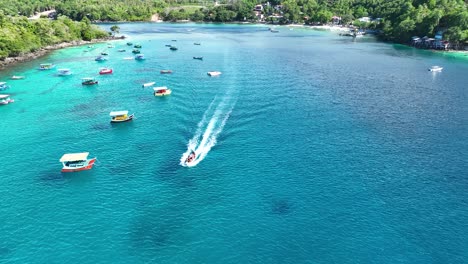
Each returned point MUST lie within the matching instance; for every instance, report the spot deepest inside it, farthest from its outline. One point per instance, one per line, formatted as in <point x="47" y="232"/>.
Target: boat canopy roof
<point x="74" y="156"/>
<point x="118" y="113"/>
<point x="160" y="88"/>
<point x="3" y="96"/>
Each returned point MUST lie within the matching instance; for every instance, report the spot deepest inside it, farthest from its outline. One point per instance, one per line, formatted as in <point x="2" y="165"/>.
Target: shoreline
<point x="10" y="61"/>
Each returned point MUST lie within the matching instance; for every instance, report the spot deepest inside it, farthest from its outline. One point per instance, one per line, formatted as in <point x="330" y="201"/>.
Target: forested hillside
<point x="397" y="21"/>
<point x="19" y="35"/>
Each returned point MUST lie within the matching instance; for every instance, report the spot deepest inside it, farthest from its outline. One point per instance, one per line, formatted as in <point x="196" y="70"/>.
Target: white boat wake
<point x="207" y="132"/>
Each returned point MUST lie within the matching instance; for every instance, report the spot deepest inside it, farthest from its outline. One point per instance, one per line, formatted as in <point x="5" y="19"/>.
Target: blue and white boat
<point x="64" y="72"/>
<point x="100" y="58"/>
<point x="4" y="86"/>
<point x="139" y="57"/>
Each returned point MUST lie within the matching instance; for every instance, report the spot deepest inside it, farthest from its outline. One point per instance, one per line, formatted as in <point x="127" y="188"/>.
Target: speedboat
<point x="5" y="99"/>
<point x="214" y="73"/>
<point x="104" y="53"/>
<point x="88" y="81"/>
<point x="76" y="162"/>
<point x="121" y="50"/>
<point x="173" y="48"/>
<point x="162" y="91"/>
<point x="4" y="86"/>
<point x="197" y="43"/>
<point x="64" y="72"/>
<point x="165" y="71"/>
<point x="136" y="51"/>
<point x="198" y="58"/>
<point x="137" y="46"/>
<point x="129" y="43"/>
<point x="105" y="71"/>
<point x="191" y="157"/>
<point x="435" y="69"/>
<point x="120" y="116"/>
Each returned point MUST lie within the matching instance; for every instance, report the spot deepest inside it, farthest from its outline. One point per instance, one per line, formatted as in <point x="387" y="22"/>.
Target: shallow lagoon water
<point x="318" y="149"/>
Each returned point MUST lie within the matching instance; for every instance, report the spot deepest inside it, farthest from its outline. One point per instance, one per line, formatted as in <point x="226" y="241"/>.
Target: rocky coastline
<point x="45" y="50"/>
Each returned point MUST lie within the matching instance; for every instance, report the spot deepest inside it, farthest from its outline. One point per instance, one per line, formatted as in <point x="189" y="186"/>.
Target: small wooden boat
<point x="121" y="50"/>
<point x="148" y="84"/>
<point x="140" y="57"/>
<point x="197" y="43"/>
<point x="166" y="71"/>
<point x="162" y="91"/>
<point x="4" y="86"/>
<point x="16" y="77"/>
<point x="129" y="43"/>
<point x="5" y="99"/>
<point x="104" y="53"/>
<point x="120" y="116"/>
<point x="88" y="81"/>
<point x="46" y="66"/>
<point x="137" y="46"/>
<point x="174" y="40"/>
<point x="198" y="58"/>
<point x="173" y="48"/>
<point x="168" y="45"/>
<point x="136" y="51"/>
<point x="64" y="72"/>
<point x="435" y="69"/>
<point x="214" y="73"/>
<point x="105" y="71"/>
<point x="100" y="58"/>
<point x="73" y="162"/>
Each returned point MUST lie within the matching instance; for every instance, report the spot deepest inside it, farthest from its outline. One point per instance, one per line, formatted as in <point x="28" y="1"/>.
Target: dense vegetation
<point x="398" y="19"/>
<point x="19" y="35"/>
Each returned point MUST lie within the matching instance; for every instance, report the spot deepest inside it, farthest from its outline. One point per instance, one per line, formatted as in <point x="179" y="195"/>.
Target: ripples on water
<point x="320" y="150"/>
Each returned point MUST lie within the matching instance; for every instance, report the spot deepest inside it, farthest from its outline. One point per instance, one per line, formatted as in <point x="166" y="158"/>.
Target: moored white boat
<point x="120" y="116"/>
<point x="16" y="77"/>
<point x="214" y="73"/>
<point x="76" y="162"/>
<point x="162" y="91"/>
<point x="46" y="66"/>
<point x="435" y="69"/>
<point x="5" y="99"/>
<point x="148" y="84"/>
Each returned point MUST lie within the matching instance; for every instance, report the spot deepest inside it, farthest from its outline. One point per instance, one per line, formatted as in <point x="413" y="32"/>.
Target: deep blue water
<point x="316" y="149"/>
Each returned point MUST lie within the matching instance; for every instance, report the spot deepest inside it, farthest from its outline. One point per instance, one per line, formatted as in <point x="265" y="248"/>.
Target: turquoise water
<point x="315" y="148"/>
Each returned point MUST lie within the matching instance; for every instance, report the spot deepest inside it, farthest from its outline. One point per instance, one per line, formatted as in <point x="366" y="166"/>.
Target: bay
<point x="316" y="148"/>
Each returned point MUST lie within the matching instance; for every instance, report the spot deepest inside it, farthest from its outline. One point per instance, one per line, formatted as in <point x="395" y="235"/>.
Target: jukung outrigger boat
<point x="165" y="71"/>
<point x="88" y="81"/>
<point x="198" y="58"/>
<point x="46" y="66"/>
<point x="5" y="99"/>
<point x="120" y="116"/>
<point x="162" y="91"/>
<point x="76" y="162"/>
